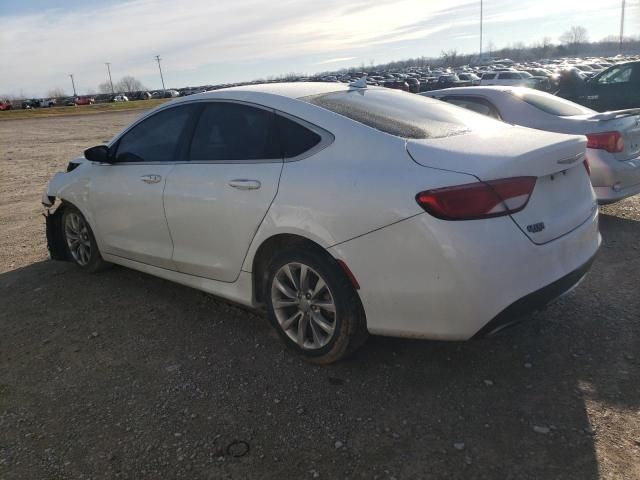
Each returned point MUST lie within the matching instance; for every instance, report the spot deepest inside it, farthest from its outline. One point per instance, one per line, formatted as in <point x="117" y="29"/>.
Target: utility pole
<point x="622" y="26"/>
<point x="73" y="85"/>
<point x="108" y="64"/>
<point x="160" y="68"/>
<point x="481" y="15"/>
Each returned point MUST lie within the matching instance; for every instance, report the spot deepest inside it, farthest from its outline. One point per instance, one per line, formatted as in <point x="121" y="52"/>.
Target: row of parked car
<point x="6" y="104"/>
<point x="580" y="79"/>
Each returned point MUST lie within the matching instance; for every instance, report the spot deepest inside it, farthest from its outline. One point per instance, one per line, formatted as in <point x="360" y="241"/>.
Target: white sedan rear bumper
<point x="613" y="179"/>
<point x="450" y="280"/>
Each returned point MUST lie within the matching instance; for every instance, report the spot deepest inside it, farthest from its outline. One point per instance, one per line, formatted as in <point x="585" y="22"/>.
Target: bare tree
<point x="56" y="92"/>
<point x="104" y="87"/>
<point x="449" y="57"/>
<point x="129" y="84"/>
<point x="491" y="47"/>
<point x="575" y="36"/>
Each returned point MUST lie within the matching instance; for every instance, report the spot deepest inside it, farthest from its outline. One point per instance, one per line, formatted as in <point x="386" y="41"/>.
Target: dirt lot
<point x="122" y="375"/>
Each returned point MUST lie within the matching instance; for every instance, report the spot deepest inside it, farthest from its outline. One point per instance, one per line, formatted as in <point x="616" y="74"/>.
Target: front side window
<point x="616" y="75"/>
<point x="232" y="131"/>
<point x="156" y="138"/>
<point x="397" y="113"/>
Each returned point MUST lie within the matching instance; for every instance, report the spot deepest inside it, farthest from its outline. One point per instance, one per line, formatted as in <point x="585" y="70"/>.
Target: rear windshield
<point x="398" y="113"/>
<point x="551" y="104"/>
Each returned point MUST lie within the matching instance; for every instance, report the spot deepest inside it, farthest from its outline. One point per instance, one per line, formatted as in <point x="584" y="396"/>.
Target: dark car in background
<point x="449" y="81"/>
<point x="414" y="84"/>
<point x="616" y="88"/>
<point x="397" y="85"/>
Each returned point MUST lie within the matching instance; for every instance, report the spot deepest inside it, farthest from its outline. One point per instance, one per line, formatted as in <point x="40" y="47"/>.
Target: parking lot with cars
<point x="125" y="375"/>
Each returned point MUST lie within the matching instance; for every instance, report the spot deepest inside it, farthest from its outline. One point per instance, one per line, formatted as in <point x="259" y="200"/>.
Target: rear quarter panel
<point x="363" y="181"/>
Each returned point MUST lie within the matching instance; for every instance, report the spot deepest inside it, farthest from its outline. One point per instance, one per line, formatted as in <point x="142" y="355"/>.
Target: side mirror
<point x="99" y="153"/>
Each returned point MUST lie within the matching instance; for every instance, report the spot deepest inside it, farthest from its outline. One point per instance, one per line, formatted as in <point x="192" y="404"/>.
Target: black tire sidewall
<point x="344" y="297"/>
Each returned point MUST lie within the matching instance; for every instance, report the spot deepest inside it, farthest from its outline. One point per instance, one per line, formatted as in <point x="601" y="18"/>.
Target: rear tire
<point x="80" y="242"/>
<point x="313" y="306"/>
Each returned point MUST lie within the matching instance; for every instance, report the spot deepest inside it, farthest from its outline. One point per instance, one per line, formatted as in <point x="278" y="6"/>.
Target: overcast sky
<point x="215" y="41"/>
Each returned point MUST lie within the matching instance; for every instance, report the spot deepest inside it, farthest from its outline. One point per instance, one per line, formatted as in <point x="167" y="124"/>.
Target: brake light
<point x="478" y="200"/>
<point x="610" y="141"/>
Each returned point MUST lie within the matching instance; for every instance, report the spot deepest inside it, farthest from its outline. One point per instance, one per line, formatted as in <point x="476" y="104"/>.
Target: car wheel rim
<point x="76" y="233"/>
<point x="303" y="305"/>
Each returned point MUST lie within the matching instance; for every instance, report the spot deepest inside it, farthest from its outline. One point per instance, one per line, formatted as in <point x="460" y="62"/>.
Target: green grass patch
<point x="64" y="111"/>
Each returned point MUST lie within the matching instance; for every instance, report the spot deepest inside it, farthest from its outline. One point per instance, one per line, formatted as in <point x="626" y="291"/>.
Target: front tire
<point x="313" y="306"/>
<point x="81" y="244"/>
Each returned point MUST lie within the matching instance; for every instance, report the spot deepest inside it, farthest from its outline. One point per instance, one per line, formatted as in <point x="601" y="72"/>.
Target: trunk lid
<point x="562" y="198"/>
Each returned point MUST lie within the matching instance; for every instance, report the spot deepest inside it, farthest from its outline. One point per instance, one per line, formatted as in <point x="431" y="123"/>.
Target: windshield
<point x="550" y="103"/>
<point x="398" y="113"/>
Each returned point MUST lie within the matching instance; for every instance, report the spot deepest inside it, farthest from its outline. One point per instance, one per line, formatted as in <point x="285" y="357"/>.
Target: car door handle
<point x="244" y="184"/>
<point x="151" y="178"/>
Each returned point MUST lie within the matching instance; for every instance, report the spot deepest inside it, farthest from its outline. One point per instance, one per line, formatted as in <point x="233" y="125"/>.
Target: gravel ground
<point x="123" y="375"/>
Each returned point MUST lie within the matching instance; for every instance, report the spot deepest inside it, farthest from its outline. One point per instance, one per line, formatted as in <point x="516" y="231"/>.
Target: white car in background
<point x="120" y="98"/>
<point x="512" y="78"/>
<point x="613" y="138"/>
<point x="343" y="210"/>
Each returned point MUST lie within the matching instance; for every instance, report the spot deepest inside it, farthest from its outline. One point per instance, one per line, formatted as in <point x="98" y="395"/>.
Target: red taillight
<point x="610" y="141"/>
<point x="478" y="200"/>
<point x="587" y="166"/>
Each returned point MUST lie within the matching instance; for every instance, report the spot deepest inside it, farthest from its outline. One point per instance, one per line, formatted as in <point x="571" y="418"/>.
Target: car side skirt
<point x="240" y="291"/>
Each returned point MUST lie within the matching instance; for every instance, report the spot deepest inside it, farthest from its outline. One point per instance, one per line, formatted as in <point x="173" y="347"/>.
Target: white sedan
<point x="343" y="210"/>
<point x="613" y="138"/>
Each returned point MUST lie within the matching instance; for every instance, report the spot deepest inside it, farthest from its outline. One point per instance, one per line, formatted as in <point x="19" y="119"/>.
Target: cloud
<point x="335" y="60"/>
<point x="204" y="41"/>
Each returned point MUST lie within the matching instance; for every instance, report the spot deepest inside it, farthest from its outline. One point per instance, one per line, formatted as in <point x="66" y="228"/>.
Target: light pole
<point x="622" y="26"/>
<point x="481" y="15"/>
<point x="160" y="68"/>
<point x="108" y="64"/>
<point x="73" y="85"/>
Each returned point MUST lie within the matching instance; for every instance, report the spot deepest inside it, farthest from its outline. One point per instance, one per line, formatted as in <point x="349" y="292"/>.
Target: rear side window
<point x="156" y="138"/>
<point x="488" y="76"/>
<point x="550" y="103"/>
<point x="231" y="131"/>
<point x="477" y="105"/>
<point x="509" y="76"/>
<point x="397" y="113"/>
<point x="294" y="138"/>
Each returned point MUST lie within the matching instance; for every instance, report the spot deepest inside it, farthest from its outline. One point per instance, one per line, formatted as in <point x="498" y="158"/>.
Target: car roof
<point x="285" y="89"/>
<point x="471" y="90"/>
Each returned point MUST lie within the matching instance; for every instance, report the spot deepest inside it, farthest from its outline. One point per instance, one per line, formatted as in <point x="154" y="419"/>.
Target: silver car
<point x="613" y="138"/>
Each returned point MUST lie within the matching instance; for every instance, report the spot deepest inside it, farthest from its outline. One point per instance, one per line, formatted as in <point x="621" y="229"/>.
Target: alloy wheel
<point x="76" y="232"/>
<point x="303" y="305"/>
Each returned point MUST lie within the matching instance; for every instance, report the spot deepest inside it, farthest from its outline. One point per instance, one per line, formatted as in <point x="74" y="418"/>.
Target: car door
<point x="215" y="203"/>
<point x="614" y="88"/>
<point x="126" y="195"/>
